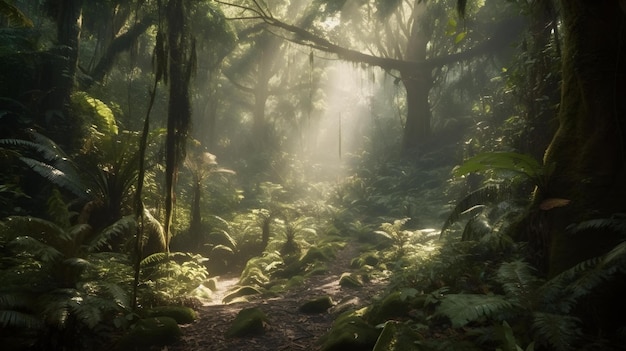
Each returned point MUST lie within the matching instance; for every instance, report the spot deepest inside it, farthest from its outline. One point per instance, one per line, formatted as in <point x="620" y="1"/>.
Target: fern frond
<point x="518" y="281"/>
<point x="221" y="251"/>
<point x="87" y="309"/>
<point x="617" y="256"/>
<point x="472" y="203"/>
<point x="123" y="226"/>
<point x="44" y="252"/>
<point x="57" y="209"/>
<point x="155" y="258"/>
<point x="616" y="224"/>
<point x="10" y="318"/>
<point x="465" y="308"/>
<point x="561" y="332"/>
<point x="56" y="176"/>
<point x="15" y="17"/>
<point x="222" y="237"/>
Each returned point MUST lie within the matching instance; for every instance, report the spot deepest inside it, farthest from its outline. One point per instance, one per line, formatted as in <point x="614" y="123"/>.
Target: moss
<point x="313" y="254"/>
<point x="149" y="332"/>
<point x="368" y="259"/>
<point x="181" y="314"/>
<point x="350" y="332"/>
<point x="395" y="305"/>
<point x="349" y="280"/>
<point x="318" y="305"/>
<point x="242" y="291"/>
<point x="249" y="321"/>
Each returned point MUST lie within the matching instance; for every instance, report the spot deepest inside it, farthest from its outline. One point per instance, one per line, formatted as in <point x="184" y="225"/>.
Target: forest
<point x="376" y="175"/>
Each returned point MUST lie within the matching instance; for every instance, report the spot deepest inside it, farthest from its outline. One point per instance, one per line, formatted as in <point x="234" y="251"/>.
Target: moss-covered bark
<point x="588" y="150"/>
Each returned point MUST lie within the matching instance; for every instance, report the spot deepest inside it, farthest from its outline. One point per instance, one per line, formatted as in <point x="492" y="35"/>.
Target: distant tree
<point x="413" y="62"/>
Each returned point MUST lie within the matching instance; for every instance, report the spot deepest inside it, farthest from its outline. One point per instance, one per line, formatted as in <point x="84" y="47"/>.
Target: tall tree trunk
<point x="68" y="20"/>
<point x="417" y="83"/>
<point x="588" y="150"/>
<point x="180" y="48"/>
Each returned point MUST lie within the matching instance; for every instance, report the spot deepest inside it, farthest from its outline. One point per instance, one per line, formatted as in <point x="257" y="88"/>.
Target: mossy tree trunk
<point x="588" y="150"/>
<point x="181" y="65"/>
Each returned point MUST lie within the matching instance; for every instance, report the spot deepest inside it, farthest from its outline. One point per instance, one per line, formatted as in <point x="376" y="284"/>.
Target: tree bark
<point x="180" y="49"/>
<point x="588" y="150"/>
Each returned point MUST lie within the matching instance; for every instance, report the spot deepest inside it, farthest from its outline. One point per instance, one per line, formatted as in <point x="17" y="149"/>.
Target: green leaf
<point x="459" y="37"/>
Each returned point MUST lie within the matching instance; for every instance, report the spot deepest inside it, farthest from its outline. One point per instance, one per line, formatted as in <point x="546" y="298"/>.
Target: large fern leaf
<point x="616" y="224"/>
<point x="465" y="308"/>
<point x="474" y="202"/>
<point x="10" y="318"/>
<point x="559" y="331"/>
<point x="124" y="225"/>
<point x="519" y="282"/>
<point x="56" y="176"/>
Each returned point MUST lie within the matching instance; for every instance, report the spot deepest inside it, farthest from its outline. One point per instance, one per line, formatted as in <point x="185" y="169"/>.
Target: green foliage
<point x="170" y="278"/>
<point x="46" y="158"/>
<point x="95" y="112"/>
<point x="515" y="163"/>
<point x="462" y="309"/>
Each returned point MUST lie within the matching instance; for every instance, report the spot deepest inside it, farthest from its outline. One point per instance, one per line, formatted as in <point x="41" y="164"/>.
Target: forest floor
<point x="287" y="328"/>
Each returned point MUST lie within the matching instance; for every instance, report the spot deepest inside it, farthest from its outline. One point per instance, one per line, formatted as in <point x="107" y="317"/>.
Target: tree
<point x="181" y="64"/>
<point x="414" y="64"/>
<point x="588" y="150"/>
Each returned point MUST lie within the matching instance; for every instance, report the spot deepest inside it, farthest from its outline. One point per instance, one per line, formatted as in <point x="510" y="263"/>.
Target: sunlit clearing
<point x="340" y="129"/>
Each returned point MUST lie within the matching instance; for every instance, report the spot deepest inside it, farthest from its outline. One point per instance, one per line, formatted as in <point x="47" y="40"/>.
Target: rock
<point x="249" y="321"/>
<point x="349" y="280"/>
<point x="350" y="332"/>
<point x="149" y="332"/>
<point x="319" y="305"/>
<point x="242" y="291"/>
<point x="181" y="314"/>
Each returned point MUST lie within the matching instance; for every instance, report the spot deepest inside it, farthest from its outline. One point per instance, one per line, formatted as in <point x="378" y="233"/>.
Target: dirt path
<point x="288" y="328"/>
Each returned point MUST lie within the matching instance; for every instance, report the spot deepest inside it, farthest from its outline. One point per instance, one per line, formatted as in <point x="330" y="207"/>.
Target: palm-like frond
<point x="56" y="176"/>
<point x="14" y="15"/>
<point x="474" y="202"/>
<point x="222" y="237"/>
<point x="465" y="308"/>
<point x="615" y="224"/>
<point x="11" y="318"/>
<point x="156" y="258"/>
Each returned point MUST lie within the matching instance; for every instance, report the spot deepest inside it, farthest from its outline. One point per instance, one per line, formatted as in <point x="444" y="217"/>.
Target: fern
<point x="15" y="17"/>
<point x="561" y="332"/>
<point x="519" y="282"/>
<point x="462" y="309"/>
<point x="120" y="228"/>
<point x="615" y="224"/>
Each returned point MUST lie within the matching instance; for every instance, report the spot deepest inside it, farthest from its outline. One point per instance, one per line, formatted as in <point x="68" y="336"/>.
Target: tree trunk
<point x="65" y="129"/>
<point x="417" y="128"/>
<point x="417" y="83"/>
<point x="179" y="107"/>
<point x="588" y="150"/>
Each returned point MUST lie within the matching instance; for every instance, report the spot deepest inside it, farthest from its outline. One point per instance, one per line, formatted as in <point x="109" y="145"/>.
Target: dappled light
<point x="312" y="175"/>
